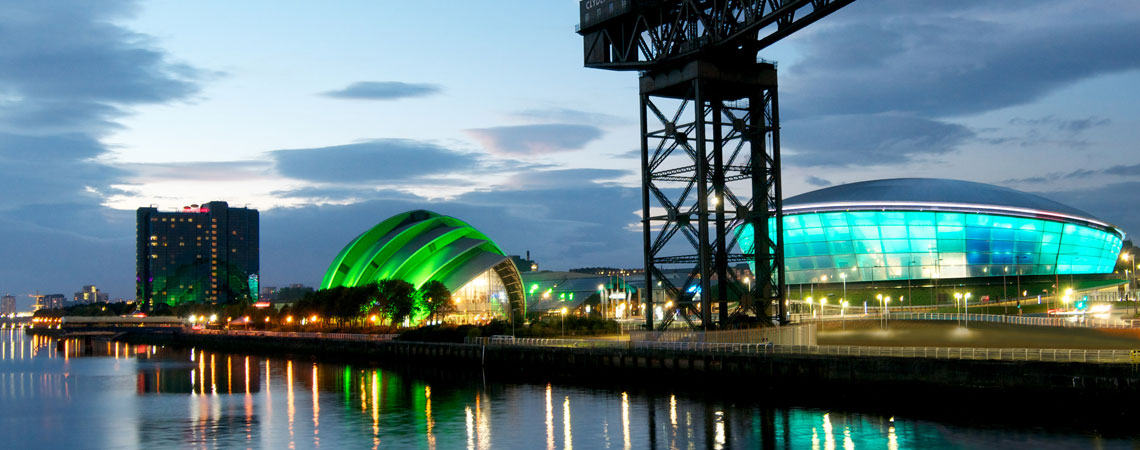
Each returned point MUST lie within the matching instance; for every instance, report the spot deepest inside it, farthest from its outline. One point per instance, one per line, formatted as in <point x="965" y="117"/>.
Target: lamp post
<point x="880" y="297"/>
<point x="1004" y="294"/>
<point x="843" y="276"/>
<point x="563" y="321"/>
<point x="822" y="304"/>
<point x="887" y="311"/>
<point x="602" y="299"/>
<point x="966" y="307"/>
<point x="811" y="309"/>
<point x="843" y="312"/>
<point x="957" y="308"/>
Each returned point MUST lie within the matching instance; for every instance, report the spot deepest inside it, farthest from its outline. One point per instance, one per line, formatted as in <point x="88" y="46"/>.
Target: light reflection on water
<point x="115" y="395"/>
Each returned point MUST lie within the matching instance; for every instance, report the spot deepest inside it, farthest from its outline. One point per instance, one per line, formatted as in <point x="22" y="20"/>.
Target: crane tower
<point x="710" y="142"/>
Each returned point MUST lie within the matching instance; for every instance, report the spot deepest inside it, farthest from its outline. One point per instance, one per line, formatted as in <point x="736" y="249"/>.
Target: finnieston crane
<point x="700" y="57"/>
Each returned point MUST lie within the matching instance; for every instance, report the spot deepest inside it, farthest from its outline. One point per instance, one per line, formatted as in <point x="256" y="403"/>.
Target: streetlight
<point x="880" y="297"/>
<point x="602" y="297"/>
<point x="810" y="308"/>
<point x="886" y="310"/>
<point x="966" y="306"/>
<point x="822" y="303"/>
<point x="1004" y="294"/>
<point x="843" y="276"/>
<point x="564" y="321"/>
<point x="843" y="312"/>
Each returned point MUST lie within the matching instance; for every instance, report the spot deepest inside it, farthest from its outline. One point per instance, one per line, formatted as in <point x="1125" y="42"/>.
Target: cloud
<point x="868" y="139"/>
<point x="817" y="181"/>
<point x="520" y="140"/>
<point x="381" y="160"/>
<point x="937" y="61"/>
<point x="573" y="225"/>
<point x="1120" y="170"/>
<point x="383" y="90"/>
<point x="632" y="154"/>
<point x="340" y="194"/>
<point x="567" y="115"/>
<point x="198" y="171"/>
<point x="70" y="73"/>
<point x="1065" y="125"/>
<point x="550" y="179"/>
<point x="1106" y="202"/>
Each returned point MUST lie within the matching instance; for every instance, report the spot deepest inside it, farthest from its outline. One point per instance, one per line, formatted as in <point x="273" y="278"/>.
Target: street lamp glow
<point x="213" y="317"/>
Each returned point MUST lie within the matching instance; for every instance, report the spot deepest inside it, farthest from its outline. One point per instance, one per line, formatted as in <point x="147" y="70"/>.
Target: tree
<point x="434" y="298"/>
<point x="395" y="299"/>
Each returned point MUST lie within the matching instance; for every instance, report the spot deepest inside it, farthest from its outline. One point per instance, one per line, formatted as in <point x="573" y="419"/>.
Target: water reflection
<point x="138" y="396"/>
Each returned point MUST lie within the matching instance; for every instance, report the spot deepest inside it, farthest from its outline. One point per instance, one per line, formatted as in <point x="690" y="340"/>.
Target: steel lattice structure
<point x="699" y="57"/>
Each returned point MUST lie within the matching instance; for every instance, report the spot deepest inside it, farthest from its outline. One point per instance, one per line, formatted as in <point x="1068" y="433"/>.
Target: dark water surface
<point x="114" y="395"/>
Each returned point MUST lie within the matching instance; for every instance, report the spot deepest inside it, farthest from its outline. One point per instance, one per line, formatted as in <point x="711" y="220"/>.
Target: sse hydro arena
<point x="921" y="228"/>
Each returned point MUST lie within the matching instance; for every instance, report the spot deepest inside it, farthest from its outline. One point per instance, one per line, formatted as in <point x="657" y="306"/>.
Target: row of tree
<point x="392" y="301"/>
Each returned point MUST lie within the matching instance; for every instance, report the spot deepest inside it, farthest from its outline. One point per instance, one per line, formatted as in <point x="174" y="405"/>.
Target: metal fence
<point x="786" y="335"/>
<point x="290" y="334"/>
<point x="1069" y="322"/>
<point x="957" y="353"/>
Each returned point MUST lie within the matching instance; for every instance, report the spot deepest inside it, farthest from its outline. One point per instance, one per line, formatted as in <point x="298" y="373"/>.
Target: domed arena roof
<point x="932" y="192"/>
<point x="420" y="246"/>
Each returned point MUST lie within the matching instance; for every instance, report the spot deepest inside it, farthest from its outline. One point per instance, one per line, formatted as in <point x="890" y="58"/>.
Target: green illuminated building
<point x="914" y="228"/>
<point x="201" y="253"/>
<point x="421" y="246"/>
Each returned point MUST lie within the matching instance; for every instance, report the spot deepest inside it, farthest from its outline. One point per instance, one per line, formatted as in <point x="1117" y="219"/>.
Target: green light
<point x="533" y="287"/>
<point x="417" y="247"/>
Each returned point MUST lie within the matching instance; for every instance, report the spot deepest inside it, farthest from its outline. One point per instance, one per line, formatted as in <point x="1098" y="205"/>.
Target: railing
<point x="1069" y="322"/>
<point x="957" y="353"/>
<point x="291" y="334"/>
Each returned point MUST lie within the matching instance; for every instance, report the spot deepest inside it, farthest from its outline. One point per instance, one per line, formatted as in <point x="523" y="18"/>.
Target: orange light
<point x="314" y="318"/>
<point x="289" y="319"/>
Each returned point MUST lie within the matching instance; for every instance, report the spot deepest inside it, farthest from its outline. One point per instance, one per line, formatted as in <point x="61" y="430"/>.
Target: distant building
<point x="291" y="294"/>
<point x="268" y="294"/>
<point x="525" y="265"/>
<point x="207" y="253"/>
<point x="7" y="305"/>
<point x="53" y="301"/>
<point x="90" y="294"/>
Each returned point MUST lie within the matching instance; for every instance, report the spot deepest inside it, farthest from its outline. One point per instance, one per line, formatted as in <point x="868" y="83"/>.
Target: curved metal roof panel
<point x="420" y="246"/>
<point x="932" y="190"/>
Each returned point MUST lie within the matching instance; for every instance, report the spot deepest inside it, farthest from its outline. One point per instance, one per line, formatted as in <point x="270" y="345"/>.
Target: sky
<point x="329" y="117"/>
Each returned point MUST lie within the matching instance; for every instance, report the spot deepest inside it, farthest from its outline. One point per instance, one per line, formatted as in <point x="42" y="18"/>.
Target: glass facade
<point x="899" y="245"/>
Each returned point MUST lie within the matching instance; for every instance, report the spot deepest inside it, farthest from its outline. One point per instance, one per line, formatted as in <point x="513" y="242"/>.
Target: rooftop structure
<point x="421" y="246"/>
<point x="916" y="228"/>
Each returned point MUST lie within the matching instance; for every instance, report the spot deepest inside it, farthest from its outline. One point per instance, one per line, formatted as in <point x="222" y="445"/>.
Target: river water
<point x="113" y="395"/>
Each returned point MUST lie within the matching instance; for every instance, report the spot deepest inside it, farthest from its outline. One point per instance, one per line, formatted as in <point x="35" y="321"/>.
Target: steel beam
<point x="721" y="132"/>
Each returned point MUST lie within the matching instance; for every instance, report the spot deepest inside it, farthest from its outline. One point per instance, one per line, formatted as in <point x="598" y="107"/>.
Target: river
<point x="110" y="395"/>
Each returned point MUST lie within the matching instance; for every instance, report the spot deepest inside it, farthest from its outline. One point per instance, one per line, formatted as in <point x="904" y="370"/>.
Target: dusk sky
<point x="329" y="117"/>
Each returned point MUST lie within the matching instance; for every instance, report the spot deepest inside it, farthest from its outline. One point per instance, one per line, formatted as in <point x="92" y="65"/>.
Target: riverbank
<point x="883" y="380"/>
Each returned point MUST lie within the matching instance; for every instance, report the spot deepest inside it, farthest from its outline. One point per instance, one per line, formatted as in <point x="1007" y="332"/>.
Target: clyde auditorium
<point x="919" y="228"/>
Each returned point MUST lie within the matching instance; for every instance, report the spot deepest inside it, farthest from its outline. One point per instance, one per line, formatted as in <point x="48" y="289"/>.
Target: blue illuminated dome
<point x="920" y="228"/>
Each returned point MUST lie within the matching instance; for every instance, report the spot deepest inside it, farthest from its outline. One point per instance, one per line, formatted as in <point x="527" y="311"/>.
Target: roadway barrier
<point x="1068" y="322"/>
<point x="962" y="353"/>
<point x="785" y="335"/>
<point x="291" y="334"/>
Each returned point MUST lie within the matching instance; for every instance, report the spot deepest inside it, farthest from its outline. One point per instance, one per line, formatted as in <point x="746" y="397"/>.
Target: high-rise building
<point x="90" y="294"/>
<point x="51" y="301"/>
<point x="208" y="253"/>
<point x="7" y="305"/>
